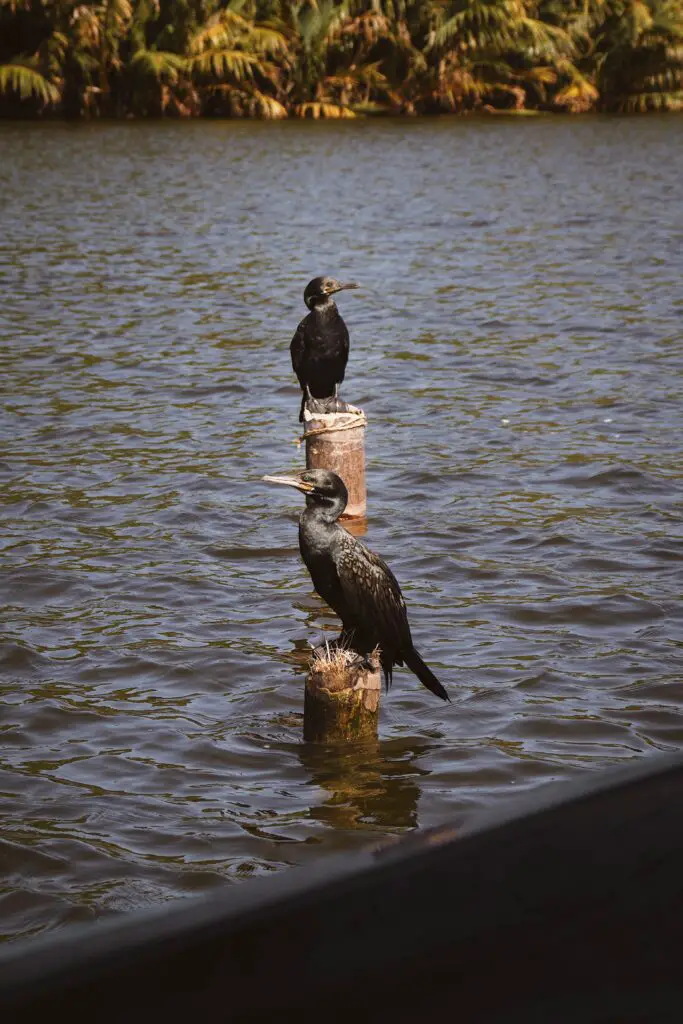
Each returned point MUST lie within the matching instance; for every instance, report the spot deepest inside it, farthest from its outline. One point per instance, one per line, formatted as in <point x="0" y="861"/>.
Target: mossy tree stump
<point x="341" y="701"/>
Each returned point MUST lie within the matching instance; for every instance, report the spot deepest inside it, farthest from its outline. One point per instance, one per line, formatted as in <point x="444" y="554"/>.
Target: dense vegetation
<point x="317" y="58"/>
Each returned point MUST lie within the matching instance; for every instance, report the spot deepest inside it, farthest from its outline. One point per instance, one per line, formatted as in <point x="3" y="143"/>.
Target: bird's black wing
<point x="371" y="590"/>
<point x="297" y="349"/>
<point x="345" y="355"/>
<point x="373" y="597"/>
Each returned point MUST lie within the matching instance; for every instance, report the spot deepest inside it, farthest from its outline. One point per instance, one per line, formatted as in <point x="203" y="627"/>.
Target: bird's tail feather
<point x="415" y="663"/>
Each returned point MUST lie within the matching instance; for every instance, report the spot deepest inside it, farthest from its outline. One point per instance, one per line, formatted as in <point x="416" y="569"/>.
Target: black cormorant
<point x="320" y="347"/>
<point x="355" y="582"/>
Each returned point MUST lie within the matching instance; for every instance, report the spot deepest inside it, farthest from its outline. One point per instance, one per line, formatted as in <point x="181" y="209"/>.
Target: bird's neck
<point x="324" y="516"/>
<point x="324" y="307"/>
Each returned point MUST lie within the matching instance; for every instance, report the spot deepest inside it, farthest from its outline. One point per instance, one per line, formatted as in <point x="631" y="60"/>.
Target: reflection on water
<point x="516" y="345"/>
<point x="374" y="784"/>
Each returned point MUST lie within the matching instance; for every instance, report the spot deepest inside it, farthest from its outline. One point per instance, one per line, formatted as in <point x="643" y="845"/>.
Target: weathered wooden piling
<point x="336" y="441"/>
<point x="341" y="701"/>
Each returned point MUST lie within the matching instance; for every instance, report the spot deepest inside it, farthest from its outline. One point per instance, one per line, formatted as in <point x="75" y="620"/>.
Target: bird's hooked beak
<point x="291" y="481"/>
<point x="338" y="286"/>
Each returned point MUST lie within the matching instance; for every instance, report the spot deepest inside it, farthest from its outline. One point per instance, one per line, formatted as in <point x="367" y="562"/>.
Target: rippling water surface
<point x="517" y="346"/>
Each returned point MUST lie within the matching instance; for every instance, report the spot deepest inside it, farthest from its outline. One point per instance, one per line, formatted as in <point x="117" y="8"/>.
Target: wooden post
<point x="341" y="701"/>
<point x="336" y="441"/>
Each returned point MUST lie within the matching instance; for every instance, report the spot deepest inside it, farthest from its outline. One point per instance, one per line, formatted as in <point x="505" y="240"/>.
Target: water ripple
<point x="516" y="345"/>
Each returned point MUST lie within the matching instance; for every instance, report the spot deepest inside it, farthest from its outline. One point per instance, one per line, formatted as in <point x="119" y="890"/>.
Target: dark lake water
<point x="517" y="346"/>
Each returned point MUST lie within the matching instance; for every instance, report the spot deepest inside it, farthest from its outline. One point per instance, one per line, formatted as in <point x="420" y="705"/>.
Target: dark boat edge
<point x="567" y="906"/>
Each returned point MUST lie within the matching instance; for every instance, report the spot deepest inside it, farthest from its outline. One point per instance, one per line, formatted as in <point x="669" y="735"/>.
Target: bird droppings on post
<point x="342" y="696"/>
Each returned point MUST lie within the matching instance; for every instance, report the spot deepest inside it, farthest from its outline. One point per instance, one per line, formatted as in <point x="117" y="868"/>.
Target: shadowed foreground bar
<point x="567" y="908"/>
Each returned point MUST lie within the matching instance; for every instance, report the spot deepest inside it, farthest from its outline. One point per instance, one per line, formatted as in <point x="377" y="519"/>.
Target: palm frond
<point x="264" y="39"/>
<point x="87" y="26"/>
<point x="637" y="19"/>
<point x="216" y="32"/>
<point x="322" y="109"/>
<point x="643" y="102"/>
<point x="225" y="64"/>
<point x="116" y="16"/>
<point x="370" y="26"/>
<point x="366" y="74"/>
<point x="267" y="107"/>
<point x="668" y="18"/>
<point x="24" y="80"/>
<point x="52" y="54"/>
<point x="331" y="58"/>
<point x="579" y="94"/>
<point x="160" y="65"/>
<point x="500" y="25"/>
<point x="319" y="22"/>
<point x="221" y="30"/>
<point x="479" y="24"/>
<point x="248" y="101"/>
<point x="543" y="74"/>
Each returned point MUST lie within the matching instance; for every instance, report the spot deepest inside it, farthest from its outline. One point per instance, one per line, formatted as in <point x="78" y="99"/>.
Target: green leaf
<point x="21" y="78"/>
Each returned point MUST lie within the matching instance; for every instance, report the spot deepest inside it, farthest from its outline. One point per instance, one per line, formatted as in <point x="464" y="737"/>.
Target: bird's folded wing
<point x="371" y="590"/>
<point x="297" y="348"/>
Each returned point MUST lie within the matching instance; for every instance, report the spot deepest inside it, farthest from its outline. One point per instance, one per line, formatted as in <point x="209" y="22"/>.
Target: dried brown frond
<point x="334" y="662"/>
<point x="317" y="110"/>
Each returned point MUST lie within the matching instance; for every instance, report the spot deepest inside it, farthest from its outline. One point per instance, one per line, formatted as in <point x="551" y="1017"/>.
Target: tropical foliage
<point x="321" y="58"/>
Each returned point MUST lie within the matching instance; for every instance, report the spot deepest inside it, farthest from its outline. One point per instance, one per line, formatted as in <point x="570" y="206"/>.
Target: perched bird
<point x="355" y="582"/>
<point x="320" y="346"/>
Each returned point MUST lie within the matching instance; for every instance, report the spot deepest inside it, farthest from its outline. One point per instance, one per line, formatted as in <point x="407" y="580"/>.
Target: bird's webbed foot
<point x="339" y="405"/>
<point x="325" y="406"/>
<point x="318" y="405"/>
<point x="361" y="659"/>
<point x="365" y="662"/>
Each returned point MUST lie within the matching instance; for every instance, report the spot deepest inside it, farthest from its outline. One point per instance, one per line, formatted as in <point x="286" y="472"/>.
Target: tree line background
<point x="318" y="58"/>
